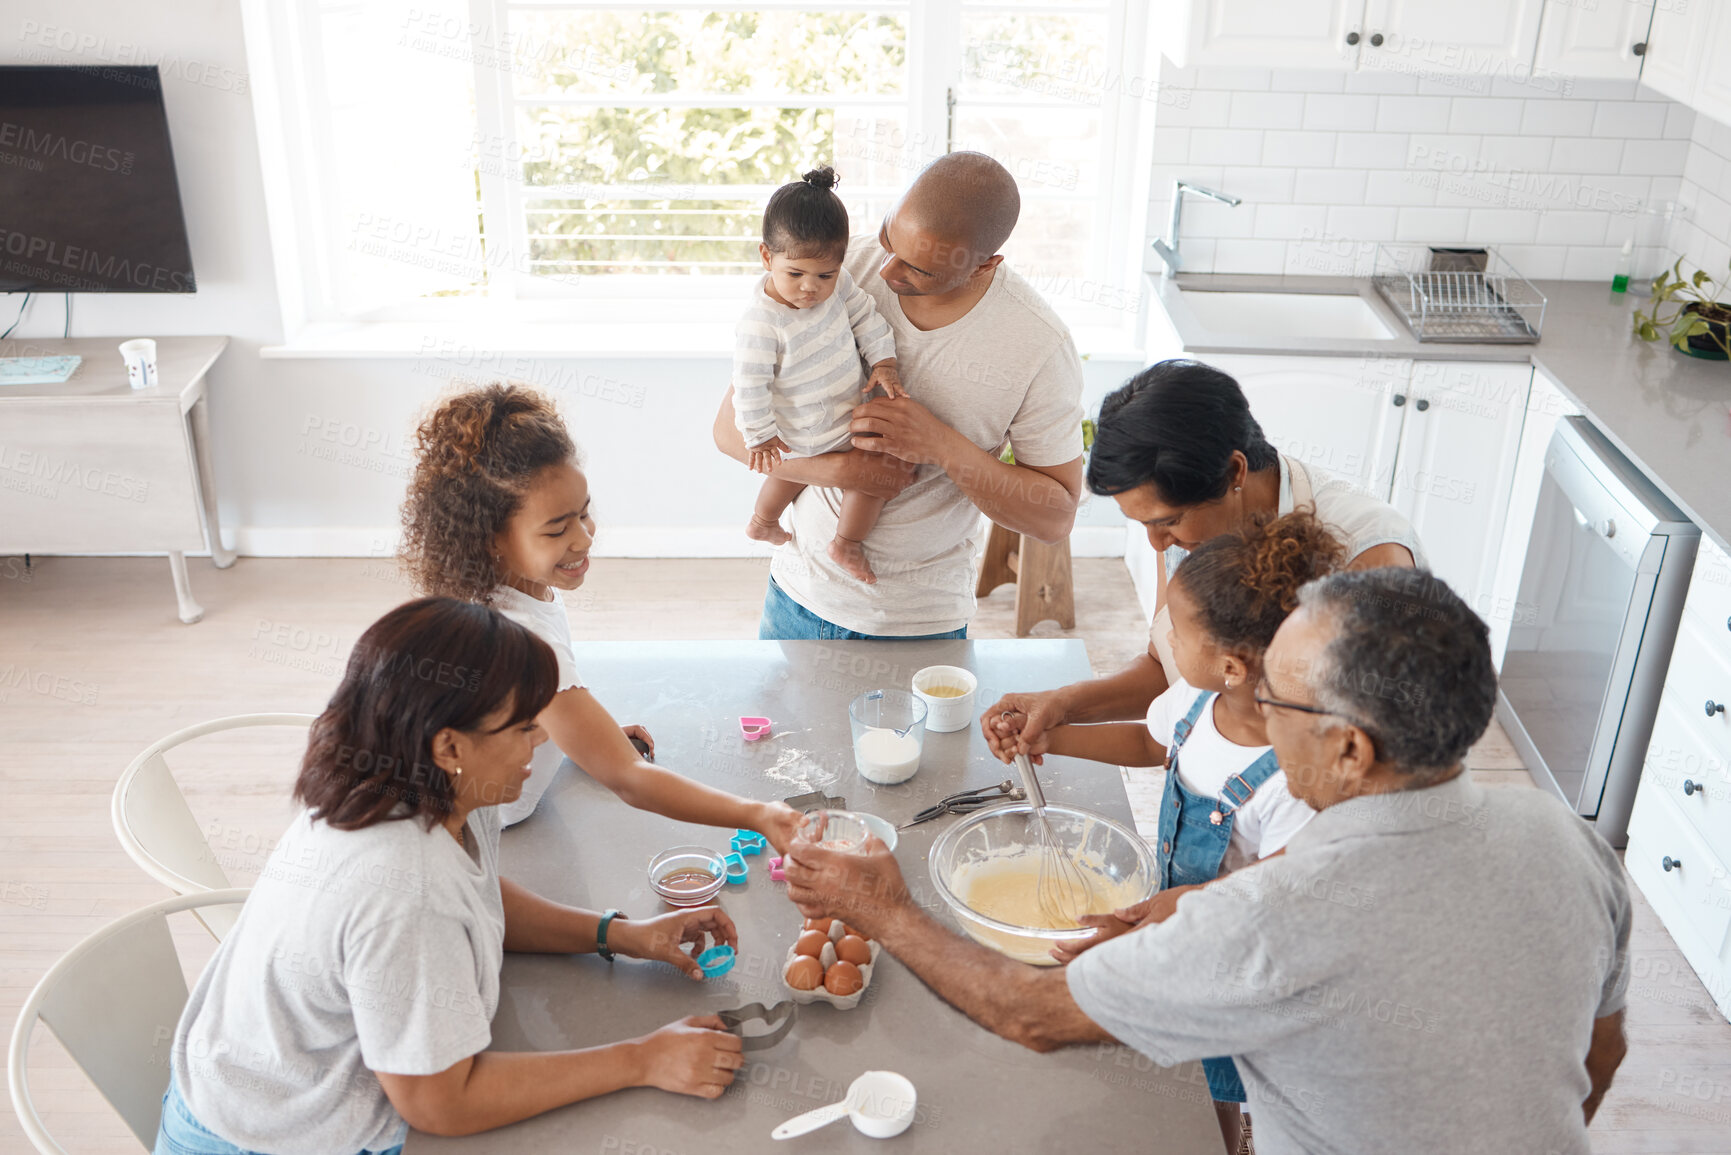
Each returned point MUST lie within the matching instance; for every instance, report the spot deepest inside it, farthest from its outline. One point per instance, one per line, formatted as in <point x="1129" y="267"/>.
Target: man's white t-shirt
<point x="1006" y="370"/>
<point x="549" y="622"/>
<point x="357" y="951"/>
<point x="1209" y="760"/>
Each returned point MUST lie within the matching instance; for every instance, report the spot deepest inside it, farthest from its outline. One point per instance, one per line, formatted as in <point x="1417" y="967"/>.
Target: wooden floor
<point x="94" y="666"/>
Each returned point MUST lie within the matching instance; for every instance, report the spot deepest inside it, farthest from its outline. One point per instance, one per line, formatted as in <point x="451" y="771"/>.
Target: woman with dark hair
<point x="1178" y="448"/>
<point x="354" y="996"/>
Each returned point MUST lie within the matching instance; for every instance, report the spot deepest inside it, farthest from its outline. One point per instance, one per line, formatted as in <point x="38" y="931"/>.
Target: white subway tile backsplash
<point x="1329" y="186"/>
<point x="1645" y="157"/>
<point x="1432" y="226"/>
<point x="1590" y="264"/>
<point x="1571" y="154"/>
<point x="1266" y="110"/>
<point x="1370" y="150"/>
<point x="1339" y="112"/>
<point x="1412" y="114"/>
<point x="1558" y="118"/>
<point x="1629" y="118"/>
<point x="1503" y="226"/>
<point x="1236" y="256"/>
<point x="1362" y="223"/>
<point x="1226" y="146"/>
<point x="1298" y="148"/>
<point x="1484" y="114"/>
<point x="1571" y="227"/>
<point x="1679" y="122"/>
<point x="1259" y="185"/>
<point x="1400" y="187"/>
<point x="1550" y="170"/>
<point x="1290" y="222"/>
<point x="1307" y="80"/>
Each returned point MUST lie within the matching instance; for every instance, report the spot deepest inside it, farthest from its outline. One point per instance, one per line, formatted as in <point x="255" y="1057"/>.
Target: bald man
<point x="985" y="361"/>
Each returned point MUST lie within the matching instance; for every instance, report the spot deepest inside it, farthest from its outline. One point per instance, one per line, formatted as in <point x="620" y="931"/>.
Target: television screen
<point x="89" y="202"/>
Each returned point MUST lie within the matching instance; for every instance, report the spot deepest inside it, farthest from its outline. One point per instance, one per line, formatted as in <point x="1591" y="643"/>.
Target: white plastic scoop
<point x="880" y="1103"/>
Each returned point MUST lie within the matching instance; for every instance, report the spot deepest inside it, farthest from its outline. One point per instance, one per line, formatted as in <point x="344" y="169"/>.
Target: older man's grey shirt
<point x="1419" y="973"/>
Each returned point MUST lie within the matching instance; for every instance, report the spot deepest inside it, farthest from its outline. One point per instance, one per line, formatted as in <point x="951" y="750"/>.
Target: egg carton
<point x="828" y="957"/>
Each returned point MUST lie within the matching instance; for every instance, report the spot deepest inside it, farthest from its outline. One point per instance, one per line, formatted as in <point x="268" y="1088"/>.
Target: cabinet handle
<point x="1690" y="787"/>
<point x="1400" y="399"/>
<point x="1421" y="404"/>
<point x="1714" y="707"/>
<point x="1670" y="864"/>
<point x="1640" y="49"/>
<point x="1352" y="38"/>
<point x="1376" y="40"/>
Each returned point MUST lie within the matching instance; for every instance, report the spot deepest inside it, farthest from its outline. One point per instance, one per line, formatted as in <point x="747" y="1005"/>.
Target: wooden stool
<point x="1044" y="588"/>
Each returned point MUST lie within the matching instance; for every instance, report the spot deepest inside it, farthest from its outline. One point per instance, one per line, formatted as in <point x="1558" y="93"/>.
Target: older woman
<point x="354" y="995"/>
<point x="1178" y="449"/>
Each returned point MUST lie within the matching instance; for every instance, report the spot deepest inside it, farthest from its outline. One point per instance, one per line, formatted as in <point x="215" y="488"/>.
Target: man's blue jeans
<point x="786" y="620"/>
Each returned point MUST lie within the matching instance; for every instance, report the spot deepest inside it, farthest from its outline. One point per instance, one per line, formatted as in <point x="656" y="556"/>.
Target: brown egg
<point x="842" y="978"/>
<point x="811" y="943"/>
<point x="804" y="973"/>
<point x="818" y="924"/>
<point x="852" y="948"/>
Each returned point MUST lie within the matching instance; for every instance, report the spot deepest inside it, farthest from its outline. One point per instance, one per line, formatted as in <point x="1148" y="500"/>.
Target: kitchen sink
<point x="1288" y="314"/>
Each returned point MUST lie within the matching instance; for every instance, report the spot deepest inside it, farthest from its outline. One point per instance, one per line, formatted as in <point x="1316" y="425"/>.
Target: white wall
<point x="311" y="456"/>
<point x="1703" y="238"/>
<point x="1328" y="163"/>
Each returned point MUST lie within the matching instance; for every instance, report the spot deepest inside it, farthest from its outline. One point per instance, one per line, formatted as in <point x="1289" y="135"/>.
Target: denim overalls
<point x="1194" y="833"/>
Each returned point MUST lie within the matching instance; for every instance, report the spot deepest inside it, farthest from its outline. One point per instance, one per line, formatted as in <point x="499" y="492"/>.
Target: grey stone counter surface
<point x="1670" y="413"/>
<point x="977" y="1093"/>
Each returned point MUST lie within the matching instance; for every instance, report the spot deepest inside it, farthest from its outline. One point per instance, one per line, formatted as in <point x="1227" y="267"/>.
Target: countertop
<point x="1670" y="413"/>
<point x="977" y="1092"/>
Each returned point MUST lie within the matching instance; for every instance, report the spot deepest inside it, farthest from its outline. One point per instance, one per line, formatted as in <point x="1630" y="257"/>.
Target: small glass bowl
<point x="681" y="859"/>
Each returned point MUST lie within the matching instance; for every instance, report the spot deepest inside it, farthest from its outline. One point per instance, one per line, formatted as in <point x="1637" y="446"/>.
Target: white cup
<point x="880" y="1103"/>
<point x="945" y="715"/>
<point x="140" y="357"/>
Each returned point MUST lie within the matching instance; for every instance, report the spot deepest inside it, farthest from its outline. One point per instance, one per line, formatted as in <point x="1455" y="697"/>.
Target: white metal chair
<point x="156" y="827"/>
<point x="113" y="1002"/>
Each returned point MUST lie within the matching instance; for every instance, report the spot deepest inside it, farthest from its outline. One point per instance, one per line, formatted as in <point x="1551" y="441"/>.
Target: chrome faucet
<point x="1168" y="248"/>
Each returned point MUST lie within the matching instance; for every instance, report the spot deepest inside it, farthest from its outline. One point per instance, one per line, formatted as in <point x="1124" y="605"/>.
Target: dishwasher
<point x="1601" y="595"/>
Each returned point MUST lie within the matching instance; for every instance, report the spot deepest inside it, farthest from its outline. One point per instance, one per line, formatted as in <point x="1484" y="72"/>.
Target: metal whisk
<point x="1062" y="888"/>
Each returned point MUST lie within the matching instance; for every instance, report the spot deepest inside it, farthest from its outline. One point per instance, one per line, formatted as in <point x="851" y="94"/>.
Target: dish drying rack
<point x="1492" y="304"/>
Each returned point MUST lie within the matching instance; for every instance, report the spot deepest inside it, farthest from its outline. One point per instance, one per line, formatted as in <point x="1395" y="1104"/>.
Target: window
<point x="512" y="156"/>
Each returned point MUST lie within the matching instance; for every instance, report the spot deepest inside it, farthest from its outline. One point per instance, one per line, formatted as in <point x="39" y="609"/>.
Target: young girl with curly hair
<point x="498" y="512"/>
<point x="1226" y="803"/>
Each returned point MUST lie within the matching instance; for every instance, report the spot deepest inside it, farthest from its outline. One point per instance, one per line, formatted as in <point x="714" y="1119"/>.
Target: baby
<point x="797" y="369"/>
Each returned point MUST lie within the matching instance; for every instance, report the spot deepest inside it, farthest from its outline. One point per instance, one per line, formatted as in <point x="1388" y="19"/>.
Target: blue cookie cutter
<point x="735" y="866"/>
<point x="749" y="842"/>
<point x="716" y="961"/>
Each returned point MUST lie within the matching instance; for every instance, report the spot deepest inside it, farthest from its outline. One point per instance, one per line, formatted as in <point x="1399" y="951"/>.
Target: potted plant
<point x="1698" y="322"/>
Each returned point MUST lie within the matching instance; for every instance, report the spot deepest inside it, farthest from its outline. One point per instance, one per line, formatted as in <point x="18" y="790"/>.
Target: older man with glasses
<point x="1430" y="967"/>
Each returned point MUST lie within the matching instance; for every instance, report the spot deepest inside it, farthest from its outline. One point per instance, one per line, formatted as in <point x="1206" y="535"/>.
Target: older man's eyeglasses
<point x="1264" y="696"/>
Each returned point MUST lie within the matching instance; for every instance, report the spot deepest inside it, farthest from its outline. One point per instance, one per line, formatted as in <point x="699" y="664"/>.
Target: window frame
<point x="305" y="229"/>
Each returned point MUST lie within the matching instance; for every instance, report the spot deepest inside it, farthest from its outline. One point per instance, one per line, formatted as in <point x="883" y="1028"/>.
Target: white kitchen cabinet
<point x="1679" y="850"/>
<point x="1416" y="36"/>
<point x="1456" y="463"/>
<point x="1674" y="49"/>
<point x="1593" y="42"/>
<point x="1339" y="414"/>
<point x="1275" y="33"/>
<point x="1501" y="607"/>
<point x="1477" y="37"/>
<point x="1712" y="95"/>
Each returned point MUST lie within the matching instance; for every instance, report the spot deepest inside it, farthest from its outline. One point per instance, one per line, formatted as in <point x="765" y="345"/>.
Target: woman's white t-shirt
<point x="546" y="620"/>
<point x="357" y="951"/>
<point x="1209" y="760"/>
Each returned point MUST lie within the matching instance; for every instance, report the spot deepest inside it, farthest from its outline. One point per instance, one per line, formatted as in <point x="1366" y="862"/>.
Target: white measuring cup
<point x="880" y="1103"/>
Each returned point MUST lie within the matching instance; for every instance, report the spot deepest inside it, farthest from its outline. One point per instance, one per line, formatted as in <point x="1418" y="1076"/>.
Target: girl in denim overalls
<point x="1225" y="803"/>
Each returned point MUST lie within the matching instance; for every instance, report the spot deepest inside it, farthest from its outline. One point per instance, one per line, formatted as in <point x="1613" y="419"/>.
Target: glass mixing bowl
<point x="1120" y="866"/>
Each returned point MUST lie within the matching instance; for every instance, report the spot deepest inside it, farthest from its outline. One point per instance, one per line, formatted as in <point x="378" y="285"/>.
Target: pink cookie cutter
<point x="776" y="871"/>
<point x="754" y="728"/>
